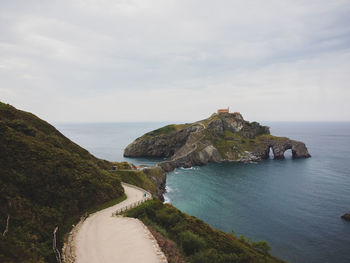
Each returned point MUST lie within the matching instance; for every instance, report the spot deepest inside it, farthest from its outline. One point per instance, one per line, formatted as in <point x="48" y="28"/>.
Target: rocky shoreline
<point x="159" y="181"/>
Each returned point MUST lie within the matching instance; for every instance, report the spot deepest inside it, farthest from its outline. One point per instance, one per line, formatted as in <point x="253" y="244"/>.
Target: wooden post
<point x="7" y="225"/>
<point x="54" y="245"/>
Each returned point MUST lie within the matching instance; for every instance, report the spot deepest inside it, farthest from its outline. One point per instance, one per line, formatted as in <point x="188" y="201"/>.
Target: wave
<point x="190" y="168"/>
<point x="166" y="200"/>
<point x="168" y="189"/>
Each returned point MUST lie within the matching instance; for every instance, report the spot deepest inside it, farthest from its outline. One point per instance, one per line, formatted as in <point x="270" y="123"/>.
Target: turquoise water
<point x="295" y="205"/>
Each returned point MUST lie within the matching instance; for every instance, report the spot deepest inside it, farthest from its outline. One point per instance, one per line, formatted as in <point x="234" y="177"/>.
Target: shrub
<point x="262" y="246"/>
<point x="167" y="217"/>
<point x="190" y="242"/>
<point x="212" y="255"/>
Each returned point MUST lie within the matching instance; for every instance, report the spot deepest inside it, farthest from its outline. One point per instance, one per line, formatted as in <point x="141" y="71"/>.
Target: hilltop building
<point x="224" y="110"/>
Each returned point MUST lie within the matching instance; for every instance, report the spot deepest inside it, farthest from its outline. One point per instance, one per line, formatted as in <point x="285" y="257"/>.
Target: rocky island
<point x="223" y="136"/>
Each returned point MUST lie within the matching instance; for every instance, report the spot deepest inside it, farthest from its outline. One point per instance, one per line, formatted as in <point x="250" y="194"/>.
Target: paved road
<point x="103" y="238"/>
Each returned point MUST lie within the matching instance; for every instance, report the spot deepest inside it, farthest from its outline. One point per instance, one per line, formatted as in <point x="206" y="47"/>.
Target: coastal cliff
<point x="221" y="137"/>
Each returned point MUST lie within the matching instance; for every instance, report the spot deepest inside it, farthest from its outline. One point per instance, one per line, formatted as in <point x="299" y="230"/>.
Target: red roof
<point x="222" y="110"/>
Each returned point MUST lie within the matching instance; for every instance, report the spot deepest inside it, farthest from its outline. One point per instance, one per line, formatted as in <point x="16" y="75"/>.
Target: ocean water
<point x="295" y="205"/>
<point x="108" y="140"/>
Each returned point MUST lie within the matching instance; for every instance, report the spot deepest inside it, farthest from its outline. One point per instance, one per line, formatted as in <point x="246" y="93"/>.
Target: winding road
<point x="106" y="238"/>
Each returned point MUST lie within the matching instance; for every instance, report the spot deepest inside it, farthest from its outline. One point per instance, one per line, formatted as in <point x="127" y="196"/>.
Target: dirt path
<point x="103" y="238"/>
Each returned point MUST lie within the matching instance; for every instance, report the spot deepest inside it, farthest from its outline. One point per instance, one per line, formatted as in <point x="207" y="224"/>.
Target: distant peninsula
<point x="223" y="136"/>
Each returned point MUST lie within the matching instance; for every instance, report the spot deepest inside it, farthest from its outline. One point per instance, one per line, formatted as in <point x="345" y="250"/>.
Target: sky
<point x="174" y="61"/>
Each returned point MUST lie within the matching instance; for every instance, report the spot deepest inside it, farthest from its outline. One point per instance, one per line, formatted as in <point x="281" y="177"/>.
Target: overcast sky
<point x="160" y="60"/>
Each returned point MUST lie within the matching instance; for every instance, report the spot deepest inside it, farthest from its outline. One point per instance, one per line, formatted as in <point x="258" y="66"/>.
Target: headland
<point x="223" y="136"/>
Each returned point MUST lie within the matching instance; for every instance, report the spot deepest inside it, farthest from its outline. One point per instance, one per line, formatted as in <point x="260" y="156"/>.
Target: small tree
<point x="262" y="246"/>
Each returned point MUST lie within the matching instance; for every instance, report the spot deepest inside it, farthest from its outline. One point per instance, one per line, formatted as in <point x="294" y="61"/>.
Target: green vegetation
<point x="124" y="165"/>
<point x="106" y="204"/>
<point x="198" y="242"/>
<point x="138" y="178"/>
<point x="150" y="179"/>
<point x="233" y="144"/>
<point x="167" y="129"/>
<point x="253" y="129"/>
<point x="207" y="121"/>
<point x="45" y="180"/>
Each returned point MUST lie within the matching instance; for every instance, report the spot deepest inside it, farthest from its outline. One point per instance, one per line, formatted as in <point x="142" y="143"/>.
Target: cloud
<point x="126" y="60"/>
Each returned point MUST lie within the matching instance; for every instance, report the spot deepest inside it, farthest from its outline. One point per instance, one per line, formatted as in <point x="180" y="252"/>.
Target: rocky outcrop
<point x="346" y="216"/>
<point x="162" y="145"/>
<point x="222" y="137"/>
<point x="204" y="156"/>
<point x="158" y="178"/>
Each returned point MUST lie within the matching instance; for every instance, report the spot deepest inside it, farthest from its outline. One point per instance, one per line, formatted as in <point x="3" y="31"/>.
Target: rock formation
<point x="221" y="137"/>
<point x="158" y="178"/>
<point x="346" y="216"/>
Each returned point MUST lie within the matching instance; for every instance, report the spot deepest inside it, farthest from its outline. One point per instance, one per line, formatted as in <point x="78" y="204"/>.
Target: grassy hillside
<point x="195" y="240"/>
<point x="167" y="129"/>
<point x="137" y="178"/>
<point x="45" y="180"/>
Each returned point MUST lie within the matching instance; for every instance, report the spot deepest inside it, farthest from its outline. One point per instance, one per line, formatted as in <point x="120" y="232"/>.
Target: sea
<point x="293" y="204"/>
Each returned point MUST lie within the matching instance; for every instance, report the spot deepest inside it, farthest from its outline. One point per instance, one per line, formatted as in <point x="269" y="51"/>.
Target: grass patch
<point x="167" y="129"/>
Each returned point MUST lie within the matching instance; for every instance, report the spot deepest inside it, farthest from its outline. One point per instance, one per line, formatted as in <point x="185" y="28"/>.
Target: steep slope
<point x="221" y="137"/>
<point x="45" y="180"/>
<point x="196" y="240"/>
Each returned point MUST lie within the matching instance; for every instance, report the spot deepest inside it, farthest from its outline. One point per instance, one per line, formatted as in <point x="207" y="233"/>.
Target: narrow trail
<point x="194" y="143"/>
<point x="106" y="238"/>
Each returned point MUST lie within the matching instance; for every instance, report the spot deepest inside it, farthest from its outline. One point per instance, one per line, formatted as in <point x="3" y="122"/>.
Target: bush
<point x="167" y="217"/>
<point x="262" y="246"/>
<point x="190" y="242"/>
<point x="212" y="255"/>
